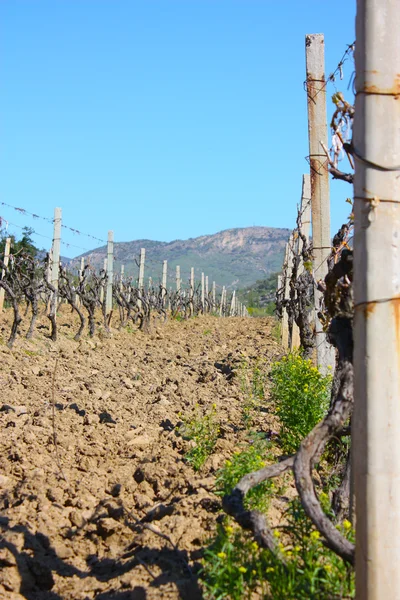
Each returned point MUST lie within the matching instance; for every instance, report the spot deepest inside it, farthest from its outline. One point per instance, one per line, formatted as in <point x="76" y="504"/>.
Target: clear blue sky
<point x="159" y="119"/>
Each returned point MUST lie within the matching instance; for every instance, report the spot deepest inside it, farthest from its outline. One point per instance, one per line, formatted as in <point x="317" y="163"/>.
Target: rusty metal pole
<point x="376" y="420"/>
<point x="318" y="136"/>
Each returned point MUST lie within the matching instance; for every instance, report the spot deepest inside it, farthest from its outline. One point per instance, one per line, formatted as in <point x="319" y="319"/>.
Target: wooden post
<point x="110" y="268"/>
<point x="233" y="304"/>
<point x="3" y="272"/>
<point x="318" y="136"/>
<point x="178" y="278"/>
<point x="222" y="305"/>
<point x="121" y="283"/>
<point x="206" y="286"/>
<point x="285" y="283"/>
<point x="306" y="206"/>
<point x="192" y="282"/>
<point x="305" y="211"/>
<point x="141" y="269"/>
<point x="376" y="419"/>
<point x="164" y="280"/>
<point x="80" y="275"/>
<point x="202" y="291"/>
<point x="104" y="284"/>
<point x="82" y="267"/>
<point x="56" y="248"/>
<point x="213" y="295"/>
<point x="191" y="288"/>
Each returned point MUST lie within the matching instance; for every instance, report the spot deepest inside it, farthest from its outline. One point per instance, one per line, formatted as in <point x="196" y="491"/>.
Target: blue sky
<point x="159" y="119"/>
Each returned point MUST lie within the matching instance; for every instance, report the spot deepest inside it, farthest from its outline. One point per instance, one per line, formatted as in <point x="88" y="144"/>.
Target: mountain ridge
<point x="234" y="257"/>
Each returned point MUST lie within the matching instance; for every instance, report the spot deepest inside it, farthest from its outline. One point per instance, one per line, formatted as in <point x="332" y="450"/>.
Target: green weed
<point x="301" y="396"/>
<point x="253" y="457"/>
<point x="252" y="384"/>
<point x="203" y="430"/>
<point x="302" y="568"/>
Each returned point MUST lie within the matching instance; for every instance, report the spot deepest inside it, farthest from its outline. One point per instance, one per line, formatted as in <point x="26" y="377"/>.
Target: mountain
<point x="235" y="257"/>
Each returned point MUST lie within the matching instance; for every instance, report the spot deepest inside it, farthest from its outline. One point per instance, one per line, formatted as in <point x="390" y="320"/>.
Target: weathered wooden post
<point x="121" y="283"/>
<point x="164" y="281"/>
<point x="191" y="289"/>
<point x="110" y="269"/>
<point x="233" y="304"/>
<point x="178" y="278"/>
<point x="141" y="268"/>
<point x="285" y="283"/>
<point x="202" y="292"/>
<point x="3" y="271"/>
<point x="305" y="212"/>
<point x="376" y="420"/>
<point x="56" y="247"/>
<point x="213" y="295"/>
<point x="104" y="284"/>
<point x="222" y="304"/>
<point x="318" y="136"/>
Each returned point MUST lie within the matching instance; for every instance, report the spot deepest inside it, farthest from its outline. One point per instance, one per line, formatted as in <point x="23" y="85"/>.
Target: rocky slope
<point x="234" y="257"/>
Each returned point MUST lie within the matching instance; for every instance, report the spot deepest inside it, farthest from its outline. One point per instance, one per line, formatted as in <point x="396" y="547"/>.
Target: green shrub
<point x="204" y="431"/>
<point x="252" y="458"/>
<point x="301" y="396"/>
<point x="302" y="568"/>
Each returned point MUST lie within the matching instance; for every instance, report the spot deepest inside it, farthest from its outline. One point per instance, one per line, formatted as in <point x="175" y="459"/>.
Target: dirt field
<point x="118" y="514"/>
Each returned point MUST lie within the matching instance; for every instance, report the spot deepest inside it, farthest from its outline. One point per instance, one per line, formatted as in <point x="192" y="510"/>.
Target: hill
<point x="235" y="257"/>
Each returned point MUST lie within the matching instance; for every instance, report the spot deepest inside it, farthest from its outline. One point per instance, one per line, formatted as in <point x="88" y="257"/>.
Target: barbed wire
<point x="24" y="211"/>
<point x="34" y="232"/>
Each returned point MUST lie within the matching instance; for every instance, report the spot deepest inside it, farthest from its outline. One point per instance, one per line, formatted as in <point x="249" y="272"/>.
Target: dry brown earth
<point x="119" y="515"/>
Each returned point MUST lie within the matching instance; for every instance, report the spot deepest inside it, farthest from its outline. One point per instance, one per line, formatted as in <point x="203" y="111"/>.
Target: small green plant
<point x="276" y="331"/>
<point x="207" y="332"/>
<point x="302" y="568"/>
<point x="178" y="317"/>
<point x="253" y="457"/>
<point x="203" y="430"/>
<point x="252" y="383"/>
<point x="31" y="352"/>
<point x="231" y="566"/>
<point x="301" y="396"/>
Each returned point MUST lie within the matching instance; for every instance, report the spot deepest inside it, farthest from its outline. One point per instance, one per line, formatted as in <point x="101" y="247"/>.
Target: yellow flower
<point x="254" y="572"/>
<point x="243" y="569"/>
<point x="328" y="568"/>
<point x="306" y="388"/>
<point x="229" y="529"/>
<point x="276" y="534"/>
<point x="281" y="547"/>
<point x="254" y="545"/>
<point x="214" y="406"/>
<point x="269" y="570"/>
<point x="346" y="525"/>
<point x="315" y="535"/>
<point x="221" y="555"/>
<point x="297" y="548"/>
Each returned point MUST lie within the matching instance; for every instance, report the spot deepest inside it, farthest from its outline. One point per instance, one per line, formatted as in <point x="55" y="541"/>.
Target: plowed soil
<point x="112" y="510"/>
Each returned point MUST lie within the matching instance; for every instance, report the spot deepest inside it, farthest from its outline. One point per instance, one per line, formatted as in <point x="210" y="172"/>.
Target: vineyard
<point x="98" y="496"/>
<point x="161" y="443"/>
